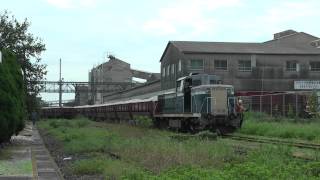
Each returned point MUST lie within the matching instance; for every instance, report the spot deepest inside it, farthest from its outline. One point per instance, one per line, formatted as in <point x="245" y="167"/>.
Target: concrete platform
<point x="28" y="146"/>
<point x="44" y="166"/>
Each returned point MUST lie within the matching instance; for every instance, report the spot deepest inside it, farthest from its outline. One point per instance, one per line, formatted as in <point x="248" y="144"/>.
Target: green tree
<point x="14" y="36"/>
<point x="12" y="99"/>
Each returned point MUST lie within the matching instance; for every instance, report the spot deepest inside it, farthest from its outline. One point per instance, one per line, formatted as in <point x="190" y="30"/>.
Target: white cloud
<point x="186" y="15"/>
<point x="296" y="15"/>
<point x="68" y="4"/>
<point x="291" y="11"/>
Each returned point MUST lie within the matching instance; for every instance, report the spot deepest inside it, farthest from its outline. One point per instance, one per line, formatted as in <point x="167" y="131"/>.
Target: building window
<point x="163" y="72"/>
<point x="244" y="65"/>
<point x="172" y="69"/>
<point x="196" y="64"/>
<point x="291" y="66"/>
<point x="315" y="66"/>
<point x="168" y="70"/>
<point x="179" y="65"/>
<point x="221" y="64"/>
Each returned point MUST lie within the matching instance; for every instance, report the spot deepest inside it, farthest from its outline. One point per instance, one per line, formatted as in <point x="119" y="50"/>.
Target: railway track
<point x="273" y="141"/>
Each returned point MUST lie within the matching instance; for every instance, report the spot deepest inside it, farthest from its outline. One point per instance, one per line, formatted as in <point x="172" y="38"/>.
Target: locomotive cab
<point x="184" y="89"/>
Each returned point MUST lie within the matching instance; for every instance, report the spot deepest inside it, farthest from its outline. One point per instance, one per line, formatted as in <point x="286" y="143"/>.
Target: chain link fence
<point x="281" y="104"/>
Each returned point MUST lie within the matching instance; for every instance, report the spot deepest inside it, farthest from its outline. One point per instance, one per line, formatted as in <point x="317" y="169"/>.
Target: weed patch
<point x="118" y="151"/>
<point x="143" y="121"/>
<point x="264" y="125"/>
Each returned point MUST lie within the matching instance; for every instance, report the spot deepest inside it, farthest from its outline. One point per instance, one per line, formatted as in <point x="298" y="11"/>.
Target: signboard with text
<point x="306" y="85"/>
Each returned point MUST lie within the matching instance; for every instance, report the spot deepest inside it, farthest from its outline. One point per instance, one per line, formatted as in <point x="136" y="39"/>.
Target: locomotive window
<point x="213" y="82"/>
<point x="179" y="86"/>
<point x="230" y="91"/>
<point x="196" y="82"/>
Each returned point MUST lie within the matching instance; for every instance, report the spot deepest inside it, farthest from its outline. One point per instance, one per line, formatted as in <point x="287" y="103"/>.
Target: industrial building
<point x="288" y="62"/>
<point x="112" y="76"/>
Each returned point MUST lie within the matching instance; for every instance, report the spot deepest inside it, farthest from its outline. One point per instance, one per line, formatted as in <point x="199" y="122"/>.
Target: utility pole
<point x="60" y="87"/>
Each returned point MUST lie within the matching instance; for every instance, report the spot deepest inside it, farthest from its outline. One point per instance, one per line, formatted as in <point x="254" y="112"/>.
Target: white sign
<point x="0" y="57"/>
<point x="306" y="85"/>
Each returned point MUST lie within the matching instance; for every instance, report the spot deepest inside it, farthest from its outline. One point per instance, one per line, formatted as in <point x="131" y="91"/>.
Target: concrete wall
<point x="112" y="71"/>
<point x="81" y="95"/>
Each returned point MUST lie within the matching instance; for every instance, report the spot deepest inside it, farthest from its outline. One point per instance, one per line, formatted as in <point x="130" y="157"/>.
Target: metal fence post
<point x="283" y="105"/>
<point x="296" y="105"/>
<point x="271" y="105"/>
<point x="260" y="103"/>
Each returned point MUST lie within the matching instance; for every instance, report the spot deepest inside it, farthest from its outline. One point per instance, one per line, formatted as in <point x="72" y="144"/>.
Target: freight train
<point x="199" y="102"/>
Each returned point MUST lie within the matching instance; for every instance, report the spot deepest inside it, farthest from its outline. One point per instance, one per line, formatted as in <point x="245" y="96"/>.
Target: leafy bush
<point x="78" y="123"/>
<point x="291" y="113"/>
<point x="82" y="123"/>
<point x="207" y="135"/>
<point x="54" y="124"/>
<point x="143" y="121"/>
<point x="12" y="108"/>
<point x="112" y="169"/>
<point x="313" y="169"/>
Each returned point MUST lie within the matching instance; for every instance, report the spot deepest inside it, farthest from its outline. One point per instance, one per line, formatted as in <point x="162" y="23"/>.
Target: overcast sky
<point x="83" y="32"/>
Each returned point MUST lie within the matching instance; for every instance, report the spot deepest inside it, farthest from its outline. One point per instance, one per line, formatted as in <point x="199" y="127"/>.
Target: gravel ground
<point x="56" y="150"/>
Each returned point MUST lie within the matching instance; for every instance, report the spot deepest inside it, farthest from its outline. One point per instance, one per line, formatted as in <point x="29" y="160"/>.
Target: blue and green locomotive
<point x="199" y="102"/>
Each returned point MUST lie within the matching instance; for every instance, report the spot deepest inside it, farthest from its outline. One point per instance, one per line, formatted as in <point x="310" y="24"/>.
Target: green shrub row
<point x="12" y="108"/>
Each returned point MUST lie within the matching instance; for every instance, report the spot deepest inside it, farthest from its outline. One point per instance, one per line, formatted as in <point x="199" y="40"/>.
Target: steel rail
<point x="273" y="141"/>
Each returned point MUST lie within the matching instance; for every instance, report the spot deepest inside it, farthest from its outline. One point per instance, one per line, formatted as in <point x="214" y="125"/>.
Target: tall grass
<point x="119" y="151"/>
<point x="265" y="125"/>
<point x="149" y="149"/>
<point x="266" y="164"/>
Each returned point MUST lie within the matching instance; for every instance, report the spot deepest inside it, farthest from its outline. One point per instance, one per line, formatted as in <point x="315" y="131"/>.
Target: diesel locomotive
<point x="199" y="102"/>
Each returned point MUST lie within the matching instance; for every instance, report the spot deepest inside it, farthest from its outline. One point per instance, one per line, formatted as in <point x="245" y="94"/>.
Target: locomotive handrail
<point x="206" y="100"/>
<point x="215" y="102"/>
<point x="233" y="104"/>
<point x="195" y="104"/>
